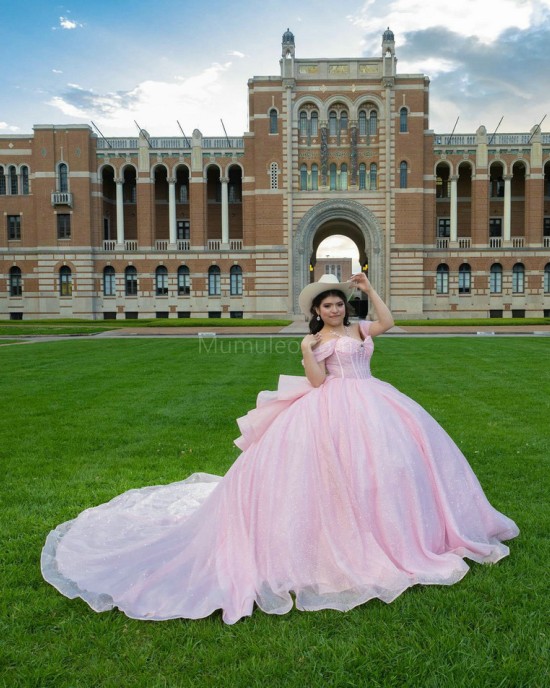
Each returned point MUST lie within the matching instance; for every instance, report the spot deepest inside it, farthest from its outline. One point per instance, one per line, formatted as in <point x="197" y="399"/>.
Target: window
<point x="63" y="226"/>
<point x="373" y="123"/>
<point x="546" y="227"/>
<point x="65" y="281"/>
<point x="16" y="282"/>
<point x="373" y="173"/>
<point x="161" y="281"/>
<point x="184" y="281"/>
<point x="214" y="281"/>
<point x="183" y="229"/>
<point x="273" y="124"/>
<point x="12" y="172"/>
<point x="518" y="278"/>
<point x="332" y="174"/>
<point x="464" y="279"/>
<point x="443" y="227"/>
<point x="344" y="177"/>
<point x="362" y="123"/>
<point x="314" y="177"/>
<point x="109" y="281"/>
<point x="14" y="227"/>
<point x="403" y="120"/>
<point x="106" y="229"/>
<point x="236" y="281"/>
<point x="332" y="123"/>
<point x="303" y="177"/>
<point x="442" y="279"/>
<point x="495" y="279"/>
<point x="495" y="227"/>
<point x="303" y="123"/>
<point x="2" y="182"/>
<point x="130" y="281"/>
<point x="547" y="278"/>
<point x="63" y="177"/>
<point x="403" y="172"/>
<point x="274" y="174"/>
<point x="343" y="121"/>
<point x="334" y="269"/>
<point x="25" y="180"/>
<point x="362" y="176"/>
<point x="314" y="123"/>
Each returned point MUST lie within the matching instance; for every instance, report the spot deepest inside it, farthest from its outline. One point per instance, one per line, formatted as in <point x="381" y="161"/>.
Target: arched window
<point x="236" y="281"/>
<point x="332" y="123"/>
<point x="403" y="172"/>
<point x="24" y="180"/>
<point x="314" y="123"/>
<point x="273" y="124"/>
<point x="373" y="177"/>
<point x="16" y="282"/>
<point x="303" y="123"/>
<point x="332" y="175"/>
<point x="65" y="281"/>
<point x="373" y="122"/>
<point x="184" y="281"/>
<point x="161" y="281"/>
<point x="314" y="177"/>
<point x="2" y="181"/>
<point x="344" y="177"/>
<point x="343" y="121"/>
<point x="274" y="175"/>
<point x="12" y="172"/>
<point x="303" y="177"/>
<point x="130" y="281"/>
<point x="214" y="281"/>
<point x="518" y="278"/>
<point x="547" y="278"/>
<point x="495" y="279"/>
<point x="442" y="279"/>
<point x="63" y="177"/>
<point x="362" y="176"/>
<point x="109" y="281"/>
<point x="362" y="123"/>
<point x="403" y="120"/>
<point x="464" y="279"/>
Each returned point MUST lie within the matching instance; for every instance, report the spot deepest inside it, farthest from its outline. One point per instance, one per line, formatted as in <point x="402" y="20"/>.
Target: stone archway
<point x="337" y="217"/>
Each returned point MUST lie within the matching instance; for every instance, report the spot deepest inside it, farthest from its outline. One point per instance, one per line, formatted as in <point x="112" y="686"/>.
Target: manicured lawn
<point x="83" y="420"/>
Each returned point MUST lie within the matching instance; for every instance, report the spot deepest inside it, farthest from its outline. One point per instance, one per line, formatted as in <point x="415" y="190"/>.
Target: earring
<point x="318" y="318"/>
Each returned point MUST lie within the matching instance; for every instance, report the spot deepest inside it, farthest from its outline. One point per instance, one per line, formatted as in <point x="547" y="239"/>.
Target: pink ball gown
<point x="342" y="493"/>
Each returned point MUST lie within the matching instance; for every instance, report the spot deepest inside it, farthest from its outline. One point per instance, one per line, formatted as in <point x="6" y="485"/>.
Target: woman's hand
<point x="361" y="281"/>
<point x="310" y="341"/>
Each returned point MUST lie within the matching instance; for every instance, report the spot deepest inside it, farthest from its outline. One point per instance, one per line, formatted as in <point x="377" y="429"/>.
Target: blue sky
<point x="116" y="61"/>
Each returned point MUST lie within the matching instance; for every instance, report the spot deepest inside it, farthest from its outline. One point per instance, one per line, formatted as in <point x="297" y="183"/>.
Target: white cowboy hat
<point x="326" y="283"/>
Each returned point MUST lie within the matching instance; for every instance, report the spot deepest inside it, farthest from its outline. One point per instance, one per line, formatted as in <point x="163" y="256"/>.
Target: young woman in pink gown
<point x="345" y="490"/>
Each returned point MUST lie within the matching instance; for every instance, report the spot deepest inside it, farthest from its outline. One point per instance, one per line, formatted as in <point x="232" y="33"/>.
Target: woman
<point x="346" y="490"/>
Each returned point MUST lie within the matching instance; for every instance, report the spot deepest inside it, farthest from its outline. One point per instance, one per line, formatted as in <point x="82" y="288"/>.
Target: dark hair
<point x="317" y="325"/>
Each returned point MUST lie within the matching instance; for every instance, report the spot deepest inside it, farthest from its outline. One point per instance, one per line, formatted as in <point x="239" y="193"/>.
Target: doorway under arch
<point x="347" y="218"/>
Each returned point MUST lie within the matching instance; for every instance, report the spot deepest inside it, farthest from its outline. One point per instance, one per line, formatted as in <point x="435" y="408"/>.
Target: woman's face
<point x="332" y="310"/>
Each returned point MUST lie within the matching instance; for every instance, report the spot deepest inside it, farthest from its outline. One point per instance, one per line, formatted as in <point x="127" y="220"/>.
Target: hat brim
<point x="311" y="291"/>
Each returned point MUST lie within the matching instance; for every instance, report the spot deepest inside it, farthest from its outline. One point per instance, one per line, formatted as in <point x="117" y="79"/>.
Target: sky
<point x="124" y="64"/>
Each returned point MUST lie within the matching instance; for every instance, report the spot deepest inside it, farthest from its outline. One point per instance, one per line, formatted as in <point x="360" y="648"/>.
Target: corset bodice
<point x="346" y="357"/>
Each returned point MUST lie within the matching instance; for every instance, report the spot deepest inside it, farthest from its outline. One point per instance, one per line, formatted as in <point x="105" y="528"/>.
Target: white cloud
<point x="195" y="101"/>
<point x="4" y="126"/>
<point x="69" y="24"/>
<point x="236" y="53"/>
<point x="57" y="71"/>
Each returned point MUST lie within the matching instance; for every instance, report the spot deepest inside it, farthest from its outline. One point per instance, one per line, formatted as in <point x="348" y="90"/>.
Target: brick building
<point x="175" y="227"/>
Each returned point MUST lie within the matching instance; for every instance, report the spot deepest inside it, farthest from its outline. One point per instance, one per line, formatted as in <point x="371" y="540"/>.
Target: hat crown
<point x="329" y="279"/>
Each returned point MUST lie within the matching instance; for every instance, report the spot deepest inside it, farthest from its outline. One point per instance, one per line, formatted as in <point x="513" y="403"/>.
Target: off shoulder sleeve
<point x="364" y="327"/>
<point x="323" y="351"/>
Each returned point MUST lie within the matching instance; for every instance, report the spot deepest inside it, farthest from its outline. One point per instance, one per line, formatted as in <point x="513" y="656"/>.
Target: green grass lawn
<point x="83" y="420"/>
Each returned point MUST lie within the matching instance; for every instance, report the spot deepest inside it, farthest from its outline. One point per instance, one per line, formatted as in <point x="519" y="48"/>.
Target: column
<point x="172" y="212"/>
<point x="507" y="208"/>
<point x="225" y="213"/>
<point x="454" y="209"/>
<point x="119" y="213"/>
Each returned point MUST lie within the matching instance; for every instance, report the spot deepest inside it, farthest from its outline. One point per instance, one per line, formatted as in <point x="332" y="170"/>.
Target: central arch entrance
<point x="349" y="218"/>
